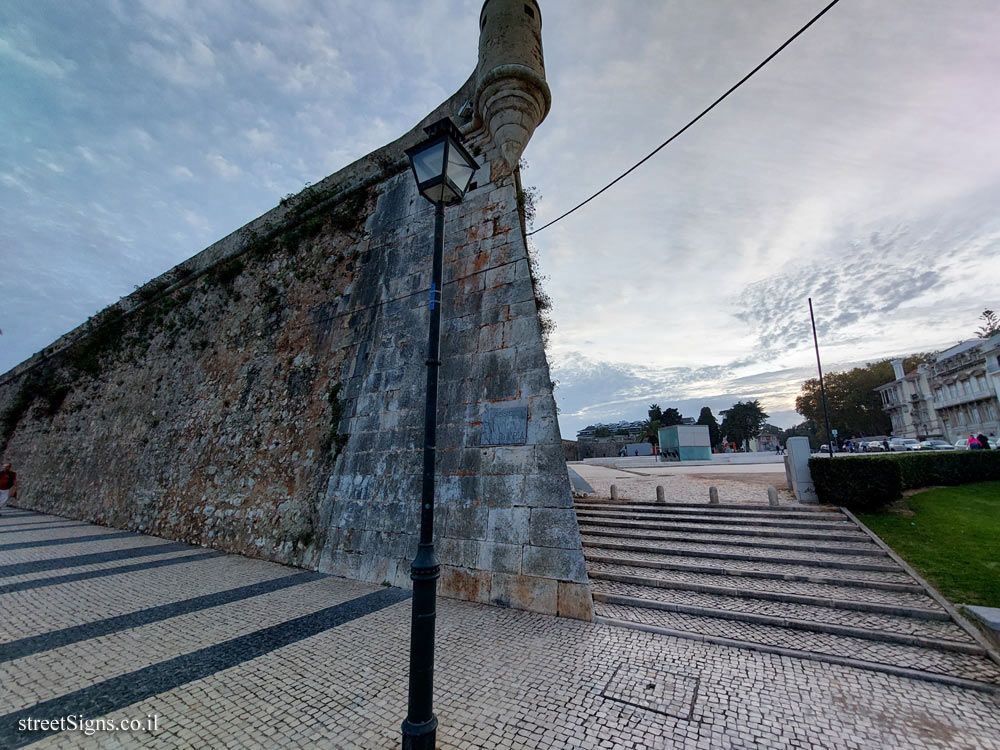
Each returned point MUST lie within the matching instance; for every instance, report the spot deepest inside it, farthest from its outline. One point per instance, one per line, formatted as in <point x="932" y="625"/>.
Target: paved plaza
<point x="737" y="483"/>
<point x="202" y="649"/>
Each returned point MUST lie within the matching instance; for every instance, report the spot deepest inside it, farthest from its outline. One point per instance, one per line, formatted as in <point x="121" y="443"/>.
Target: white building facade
<point x="966" y="383"/>
<point x="908" y="402"/>
<point x="954" y="394"/>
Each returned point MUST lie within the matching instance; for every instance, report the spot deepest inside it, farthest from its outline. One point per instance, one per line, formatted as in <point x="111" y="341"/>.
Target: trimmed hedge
<point x="959" y="467"/>
<point x="867" y="483"/>
<point x="860" y="483"/>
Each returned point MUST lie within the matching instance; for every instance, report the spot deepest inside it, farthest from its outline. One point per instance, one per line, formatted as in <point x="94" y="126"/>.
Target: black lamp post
<point x="443" y="169"/>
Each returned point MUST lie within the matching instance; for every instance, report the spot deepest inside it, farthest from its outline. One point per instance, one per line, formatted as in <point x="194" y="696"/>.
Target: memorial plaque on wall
<point x="505" y="425"/>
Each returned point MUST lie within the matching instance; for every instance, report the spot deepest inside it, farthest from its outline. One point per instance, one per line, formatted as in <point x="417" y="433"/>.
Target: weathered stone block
<point x="505" y="558"/>
<point x="518" y="459"/>
<point x="509" y="525"/>
<point x="529" y="356"/>
<point x="552" y="562"/>
<point x="460" y="552"/>
<point x="503" y="491"/>
<point x="575" y="601"/>
<point x="525" y="592"/>
<point x="543" y="430"/>
<point x="467" y="521"/>
<point x="554" y="527"/>
<point x="546" y="491"/>
<point x="550" y="460"/>
<point x="470" y="585"/>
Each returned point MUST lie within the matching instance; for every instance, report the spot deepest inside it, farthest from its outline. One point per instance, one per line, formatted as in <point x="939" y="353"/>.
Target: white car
<point x="904" y="444"/>
<point x="962" y="444"/>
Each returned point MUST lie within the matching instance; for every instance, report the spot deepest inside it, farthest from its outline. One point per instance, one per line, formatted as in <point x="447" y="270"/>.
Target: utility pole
<point x="822" y="390"/>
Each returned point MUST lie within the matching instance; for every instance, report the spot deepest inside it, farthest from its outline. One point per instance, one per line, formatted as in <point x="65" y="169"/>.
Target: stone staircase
<point x="797" y="580"/>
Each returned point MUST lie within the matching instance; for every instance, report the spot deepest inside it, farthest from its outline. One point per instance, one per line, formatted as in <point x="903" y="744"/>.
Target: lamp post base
<point x="422" y="736"/>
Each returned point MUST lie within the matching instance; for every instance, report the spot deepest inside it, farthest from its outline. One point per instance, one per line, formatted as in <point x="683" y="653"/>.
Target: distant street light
<point x="443" y="170"/>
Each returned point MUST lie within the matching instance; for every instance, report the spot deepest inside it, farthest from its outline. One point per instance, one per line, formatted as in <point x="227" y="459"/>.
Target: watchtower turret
<point x="512" y="97"/>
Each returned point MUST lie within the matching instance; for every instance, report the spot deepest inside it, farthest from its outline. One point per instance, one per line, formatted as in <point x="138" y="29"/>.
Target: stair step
<point x="709" y="506"/>
<point x="841" y="649"/>
<point x="754" y="531"/>
<point x="763" y="556"/>
<point x="862" y="547"/>
<point x="708" y="511"/>
<point x="736" y="521"/>
<point x="812" y="573"/>
<point x="811" y="626"/>
<point x="657" y="598"/>
<point x="843" y="597"/>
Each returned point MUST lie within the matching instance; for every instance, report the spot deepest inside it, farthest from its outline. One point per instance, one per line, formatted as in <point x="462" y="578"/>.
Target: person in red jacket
<point x="8" y="485"/>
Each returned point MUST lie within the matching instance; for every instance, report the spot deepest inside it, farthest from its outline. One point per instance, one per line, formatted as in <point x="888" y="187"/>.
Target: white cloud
<point x="261" y="141"/>
<point x="181" y="173"/>
<point x="190" y="65"/>
<point x="225" y="169"/>
<point x="196" y="220"/>
<point x="47" y="66"/>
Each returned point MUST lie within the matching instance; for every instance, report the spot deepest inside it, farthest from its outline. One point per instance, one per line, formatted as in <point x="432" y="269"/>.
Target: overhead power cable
<point x="704" y="112"/>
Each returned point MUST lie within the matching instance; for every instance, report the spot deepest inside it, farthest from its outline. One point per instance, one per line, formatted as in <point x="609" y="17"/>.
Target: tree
<point x="990" y="326"/>
<point x="602" y="432"/>
<point x="855" y="406"/>
<point x="655" y="413"/>
<point x="707" y="418"/>
<point x="808" y="429"/>
<point x="671" y="417"/>
<point x="743" y="421"/>
<point x="652" y="428"/>
<point x="621" y="431"/>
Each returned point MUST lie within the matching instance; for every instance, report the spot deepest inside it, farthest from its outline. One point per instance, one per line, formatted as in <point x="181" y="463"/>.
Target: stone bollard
<point x="772" y="496"/>
<point x="713" y="495"/>
<point x="660" y="497"/>
<point x="614" y="492"/>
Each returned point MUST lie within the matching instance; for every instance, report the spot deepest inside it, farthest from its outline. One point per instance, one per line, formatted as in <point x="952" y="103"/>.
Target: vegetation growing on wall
<point x="526" y="200"/>
<point x="334" y="441"/>
<point x="41" y="385"/>
<point x="160" y="309"/>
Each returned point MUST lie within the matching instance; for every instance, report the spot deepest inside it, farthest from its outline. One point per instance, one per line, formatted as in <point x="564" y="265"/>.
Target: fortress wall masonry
<point x="266" y="396"/>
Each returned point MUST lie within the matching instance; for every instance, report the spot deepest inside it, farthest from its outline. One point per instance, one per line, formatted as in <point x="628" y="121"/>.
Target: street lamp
<point x="443" y="170"/>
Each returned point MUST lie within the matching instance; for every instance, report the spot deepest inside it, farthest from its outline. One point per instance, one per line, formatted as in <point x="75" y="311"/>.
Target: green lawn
<point x="951" y="536"/>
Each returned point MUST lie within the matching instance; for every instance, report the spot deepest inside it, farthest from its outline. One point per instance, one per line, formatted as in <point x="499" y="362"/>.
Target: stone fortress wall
<point x="266" y="396"/>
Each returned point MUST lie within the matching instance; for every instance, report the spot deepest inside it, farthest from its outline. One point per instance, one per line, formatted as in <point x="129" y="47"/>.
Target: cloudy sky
<point x="861" y="168"/>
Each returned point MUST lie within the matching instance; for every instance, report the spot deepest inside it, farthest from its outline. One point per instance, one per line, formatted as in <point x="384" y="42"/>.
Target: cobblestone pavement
<point x="225" y="651"/>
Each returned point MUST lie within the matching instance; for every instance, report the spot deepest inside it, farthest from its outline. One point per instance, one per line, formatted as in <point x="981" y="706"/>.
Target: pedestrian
<point x="8" y="485"/>
<point x="973" y="442"/>
<point x="984" y="442"/>
<point x="885" y="444"/>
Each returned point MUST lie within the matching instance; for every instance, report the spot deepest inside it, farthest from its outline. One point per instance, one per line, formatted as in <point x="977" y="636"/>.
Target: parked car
<point x="962" y="444"/>
<point x="935" y="445"/>
<point x="874" y="446"/>
<point x="903" y="444"/>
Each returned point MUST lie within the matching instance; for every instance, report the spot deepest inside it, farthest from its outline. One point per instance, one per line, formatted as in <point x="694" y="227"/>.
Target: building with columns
<point x="955" y="393"/>
<point x="908" y="402"/>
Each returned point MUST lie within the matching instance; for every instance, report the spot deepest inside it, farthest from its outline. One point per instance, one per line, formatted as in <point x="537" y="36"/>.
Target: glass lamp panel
<point x="436" y="193"/>
<point x="459" y="170"/>
<point x="429" y="163"/>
